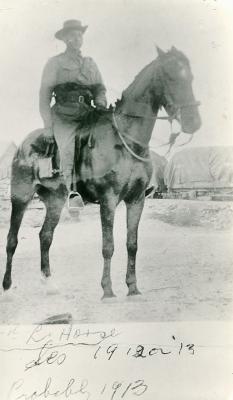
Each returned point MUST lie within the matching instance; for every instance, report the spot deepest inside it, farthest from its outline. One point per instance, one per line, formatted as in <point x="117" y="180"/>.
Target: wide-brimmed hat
<point x="70" y="25"/>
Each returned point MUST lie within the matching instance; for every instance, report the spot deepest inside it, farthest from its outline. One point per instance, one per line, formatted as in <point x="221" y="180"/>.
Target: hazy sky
<point x="121" y="37"/>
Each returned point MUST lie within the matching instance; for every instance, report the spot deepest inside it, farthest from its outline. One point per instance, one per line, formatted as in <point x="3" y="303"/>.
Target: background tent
<point x="200" y="168"/>
<point x="159" y="163"/>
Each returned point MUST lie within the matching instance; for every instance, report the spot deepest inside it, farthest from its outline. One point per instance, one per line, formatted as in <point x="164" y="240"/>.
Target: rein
<point x="173" y="135"/>
<point x="143" y="159"/>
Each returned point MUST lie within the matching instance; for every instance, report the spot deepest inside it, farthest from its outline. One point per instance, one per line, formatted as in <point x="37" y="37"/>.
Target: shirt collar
<point x="75" y="56"/>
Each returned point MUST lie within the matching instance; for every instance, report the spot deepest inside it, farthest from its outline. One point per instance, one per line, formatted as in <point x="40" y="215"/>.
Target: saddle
<point x="46" y="156"/>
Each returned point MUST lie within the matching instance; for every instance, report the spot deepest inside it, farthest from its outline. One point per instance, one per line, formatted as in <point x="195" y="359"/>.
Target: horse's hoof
<point x="109" y="295"/>
<point x="6" y="284"/>
<point x="109" y="300"/>
<point x="134" y="292"/>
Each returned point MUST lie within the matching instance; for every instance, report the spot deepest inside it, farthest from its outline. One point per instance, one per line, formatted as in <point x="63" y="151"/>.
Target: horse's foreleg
<point x="134" y="212"/>
<point x="17" y="212"/>
<point x="107" y="212"/>
<point x="54" y="207"/>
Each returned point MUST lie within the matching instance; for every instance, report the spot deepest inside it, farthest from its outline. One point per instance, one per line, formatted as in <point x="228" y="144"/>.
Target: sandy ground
<point x="184" y="266"/>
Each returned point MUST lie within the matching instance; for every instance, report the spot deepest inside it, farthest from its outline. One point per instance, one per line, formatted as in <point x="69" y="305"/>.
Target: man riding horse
<point x="113" y="166"/>
<point x="75" y="82"/>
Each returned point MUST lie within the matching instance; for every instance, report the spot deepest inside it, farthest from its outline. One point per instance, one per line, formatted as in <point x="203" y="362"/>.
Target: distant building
<point x="159" y="164"/>
<point x="156" y="184"/>
<point x="201" y="168"/>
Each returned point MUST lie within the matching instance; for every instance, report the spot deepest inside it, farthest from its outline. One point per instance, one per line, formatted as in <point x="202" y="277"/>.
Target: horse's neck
<point x="136" y="111"/>
<point x="137" y="119"/>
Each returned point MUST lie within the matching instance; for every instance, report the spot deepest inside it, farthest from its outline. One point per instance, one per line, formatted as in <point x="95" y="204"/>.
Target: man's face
<point x="74" y="39"/>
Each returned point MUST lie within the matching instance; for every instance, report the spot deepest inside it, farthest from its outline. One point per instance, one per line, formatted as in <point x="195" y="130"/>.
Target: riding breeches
<point x="64" y="133"/>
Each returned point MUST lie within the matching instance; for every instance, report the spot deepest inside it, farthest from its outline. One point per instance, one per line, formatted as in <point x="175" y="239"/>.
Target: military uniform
<point x="61" y="69"/>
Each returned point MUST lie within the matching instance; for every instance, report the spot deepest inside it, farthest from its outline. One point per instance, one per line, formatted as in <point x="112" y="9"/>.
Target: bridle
<point x="169" y="103"/>
<point x="175" y="115"/>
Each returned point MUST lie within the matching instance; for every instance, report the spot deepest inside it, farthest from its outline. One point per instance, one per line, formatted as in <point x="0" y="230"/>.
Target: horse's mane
<point x="139" y="84"/>
<point x="143" y="79"/>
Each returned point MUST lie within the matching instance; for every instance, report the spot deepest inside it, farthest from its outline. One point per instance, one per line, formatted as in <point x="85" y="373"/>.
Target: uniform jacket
<point x="62" y="69"/>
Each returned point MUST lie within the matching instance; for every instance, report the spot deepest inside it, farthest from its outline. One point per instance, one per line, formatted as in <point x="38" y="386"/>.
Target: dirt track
<point x="184" y="267"/>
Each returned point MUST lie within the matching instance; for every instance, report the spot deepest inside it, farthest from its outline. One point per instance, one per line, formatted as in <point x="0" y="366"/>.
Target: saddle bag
<point x="45" y="167"/>
<point x="45" y="159"/>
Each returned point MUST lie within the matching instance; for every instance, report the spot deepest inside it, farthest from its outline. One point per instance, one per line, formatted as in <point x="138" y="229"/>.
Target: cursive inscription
<point x="78" y="389"/>
<point x="73" y="387"/>
<point x="70" y="334"/>
<point x="52" y="349"/>
<point x="47" y="357"/>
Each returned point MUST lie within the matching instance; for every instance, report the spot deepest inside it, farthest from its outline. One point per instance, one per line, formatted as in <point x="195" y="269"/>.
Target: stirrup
<point x="149" y="190"/>
<point x="75" y="201"/>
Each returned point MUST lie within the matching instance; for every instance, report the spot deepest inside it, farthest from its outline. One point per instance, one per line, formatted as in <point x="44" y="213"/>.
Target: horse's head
<point x="175" y="78"/>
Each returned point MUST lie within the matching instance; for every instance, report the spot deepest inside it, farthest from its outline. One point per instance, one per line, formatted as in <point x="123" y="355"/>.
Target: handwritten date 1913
<point x="78" y="389"/>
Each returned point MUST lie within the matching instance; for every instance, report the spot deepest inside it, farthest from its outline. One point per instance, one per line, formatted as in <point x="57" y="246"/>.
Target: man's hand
<point x="48" y="135"/>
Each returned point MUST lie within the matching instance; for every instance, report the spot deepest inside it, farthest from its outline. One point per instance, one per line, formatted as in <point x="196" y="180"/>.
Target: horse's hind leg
<point x="17" y="212"/>
<point x="54" y="202"/>
<point x="134" y="212"/>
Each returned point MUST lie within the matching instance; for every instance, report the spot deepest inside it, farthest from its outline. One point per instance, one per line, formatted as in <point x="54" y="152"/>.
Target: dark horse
<point x="117" y="167"/>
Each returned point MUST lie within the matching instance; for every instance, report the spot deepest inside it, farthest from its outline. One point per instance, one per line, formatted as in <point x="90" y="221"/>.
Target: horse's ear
<point x="173" y="49"/>
<point x="160" y="52"/>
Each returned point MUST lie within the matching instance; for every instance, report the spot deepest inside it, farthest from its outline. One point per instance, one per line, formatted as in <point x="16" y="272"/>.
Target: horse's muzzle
<point x="190" y="119"/>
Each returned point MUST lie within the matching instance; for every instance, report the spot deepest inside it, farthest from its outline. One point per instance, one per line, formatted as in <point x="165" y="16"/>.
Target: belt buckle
<point x="81" y="99"/>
